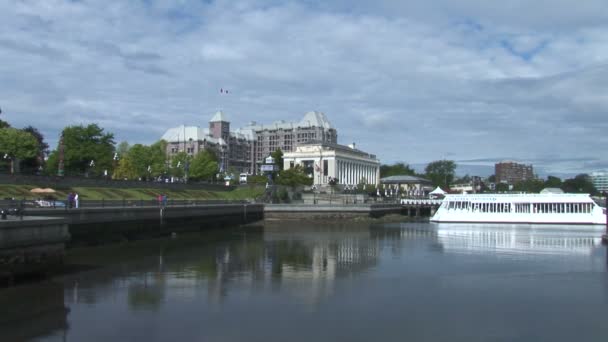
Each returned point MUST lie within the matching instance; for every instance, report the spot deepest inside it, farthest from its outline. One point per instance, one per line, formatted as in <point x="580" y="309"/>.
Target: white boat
<point x="520" y="208"/>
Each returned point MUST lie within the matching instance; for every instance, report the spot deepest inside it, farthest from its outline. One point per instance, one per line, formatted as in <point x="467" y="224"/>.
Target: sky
<point x="473" y="81"/>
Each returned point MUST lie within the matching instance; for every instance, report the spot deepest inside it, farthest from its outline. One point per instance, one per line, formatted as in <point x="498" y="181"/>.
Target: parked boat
<point x="521" y="208"/>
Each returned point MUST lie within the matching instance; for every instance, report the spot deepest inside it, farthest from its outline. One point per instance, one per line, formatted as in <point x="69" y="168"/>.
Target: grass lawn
<point x="240" y="193"/>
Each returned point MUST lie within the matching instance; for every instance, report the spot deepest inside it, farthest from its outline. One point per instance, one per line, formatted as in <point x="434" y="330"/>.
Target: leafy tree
<point x="178" y="164"/>
<point x="553" y="182"/>
<point x="502" y="187"/>
<point x="580" y="184"/>
<point x="16" y="144"/>
<point x="52" y="163"/>
<point x="257" y="179"/>
<point x="203" y="166"/>
<point x="293" y="177"/>
<point x="530" y="185"/>
<point x="3" y="124"/>
<point x="43" y="149"/>
<point x="396" y="169"/>
<point x="148" y="161"/>
<point x="464" y="180"/>
<point x="278" y="158"/>
<point x="122" y="149"/>
<point x="441" y="172"/>
<point x="125" y="170"/>
<point x="83" y="144"/>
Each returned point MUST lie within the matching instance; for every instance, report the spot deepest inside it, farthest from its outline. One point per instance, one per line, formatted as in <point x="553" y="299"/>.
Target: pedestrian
<point x="160" y="199"/>
<point x="164" y="200"/>
<point x="76" y="203"/>
<point x="70" y="200"/>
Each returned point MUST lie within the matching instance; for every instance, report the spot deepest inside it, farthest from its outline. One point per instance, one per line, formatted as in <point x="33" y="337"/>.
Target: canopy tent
<point x="437" y="191"/>
<point x="42" y="191"/>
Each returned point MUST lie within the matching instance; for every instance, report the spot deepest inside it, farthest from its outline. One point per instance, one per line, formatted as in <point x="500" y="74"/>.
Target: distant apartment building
<point x="243" y="150"/>
<point x="510" y="172"/>
<point x="600" y="180"/>
<point x="314" y="126"/>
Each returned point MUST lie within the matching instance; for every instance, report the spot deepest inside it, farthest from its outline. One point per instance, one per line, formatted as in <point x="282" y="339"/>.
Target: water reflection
<point x="300" y="268"/>
<point x="28" y="312"/>
<point x="518" y="239"/>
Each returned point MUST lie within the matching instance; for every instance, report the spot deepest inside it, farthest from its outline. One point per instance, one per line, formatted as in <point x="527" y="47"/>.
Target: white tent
<point x="437" y="191"/>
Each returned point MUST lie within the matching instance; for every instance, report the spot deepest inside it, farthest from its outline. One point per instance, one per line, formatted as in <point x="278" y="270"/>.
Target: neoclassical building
<point x="324" y="161"/>
<point x="245" y="149"/>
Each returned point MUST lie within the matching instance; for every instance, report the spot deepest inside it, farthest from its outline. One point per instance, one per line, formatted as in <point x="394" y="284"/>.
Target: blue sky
<point x="470" y="80"/>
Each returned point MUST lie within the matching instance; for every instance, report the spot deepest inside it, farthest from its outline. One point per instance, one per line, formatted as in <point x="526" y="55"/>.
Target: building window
<point x="325" y="167"/>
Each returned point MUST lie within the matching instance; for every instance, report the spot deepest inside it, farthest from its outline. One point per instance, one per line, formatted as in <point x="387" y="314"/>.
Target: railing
<point x="72" y="181"/>
<point x="23" y="205"/>
<point x="413" y="201"/>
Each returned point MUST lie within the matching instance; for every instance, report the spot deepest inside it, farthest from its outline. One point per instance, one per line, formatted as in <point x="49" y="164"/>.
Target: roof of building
<point x="186" y="133"/>
<point x="552" y="191"/>
<point x="338" y="147"/>
<point x="244" y="133"/>
<point x="310" y="119"/>
<point x="404" y="179"/>
<point x="314" y="119"/>
<point x="219" y="116"/>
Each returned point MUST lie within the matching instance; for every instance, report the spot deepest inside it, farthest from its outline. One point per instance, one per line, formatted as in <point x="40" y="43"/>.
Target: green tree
<point x="396" y="169"/>
<point x="530" y="185"/>
<point x="125" y="170"/>
<point x="37" y="161"/>
<point x="178" y="164"/>
<point x="441" y="172"/>
<point x="278" y="158"/>
<point x="16" y="144"/>
<point x="87" y="149"/>
<point x="502" y="187"/>
<point x="553" y="182"/>
<point x="580" y="184"/>
<point x="293" y="177"/>
<point x="203" y="166"/>
<point x="122" y="149"/>
<point x="149" y="161"/>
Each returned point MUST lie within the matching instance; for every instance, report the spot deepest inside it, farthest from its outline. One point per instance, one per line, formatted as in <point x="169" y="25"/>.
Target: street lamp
<point x="61" y="166"/>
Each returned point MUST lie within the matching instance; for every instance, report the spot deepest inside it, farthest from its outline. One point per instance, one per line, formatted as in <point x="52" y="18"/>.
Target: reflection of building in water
<point x="525" y="241"/>
<point x="325" y="258"/>
<point x="29" y="312"/>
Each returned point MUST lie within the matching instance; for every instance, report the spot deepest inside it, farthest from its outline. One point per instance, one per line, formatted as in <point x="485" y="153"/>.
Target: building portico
<point x="326" y="161"/>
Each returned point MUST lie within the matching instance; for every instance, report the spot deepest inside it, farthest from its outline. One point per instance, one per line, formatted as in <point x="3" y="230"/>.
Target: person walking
<point x="164" y="200"/>
<point x="70" y="200"/>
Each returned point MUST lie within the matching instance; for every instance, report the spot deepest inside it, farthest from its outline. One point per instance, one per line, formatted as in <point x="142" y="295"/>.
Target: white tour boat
<point x="521" y="208"/>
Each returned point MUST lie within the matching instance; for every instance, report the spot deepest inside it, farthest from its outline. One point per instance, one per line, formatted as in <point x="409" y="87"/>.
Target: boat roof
<point x="521" y="198"/>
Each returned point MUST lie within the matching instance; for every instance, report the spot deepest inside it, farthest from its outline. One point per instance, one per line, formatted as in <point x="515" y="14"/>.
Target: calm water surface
<point x="326" y="282"/>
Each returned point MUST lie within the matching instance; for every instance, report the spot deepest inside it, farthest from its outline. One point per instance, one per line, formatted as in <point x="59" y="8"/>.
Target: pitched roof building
<point x="243" y="150"/>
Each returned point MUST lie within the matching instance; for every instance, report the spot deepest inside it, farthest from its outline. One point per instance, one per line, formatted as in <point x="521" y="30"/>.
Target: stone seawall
<point x="326" y="211"/>
<point x="92" y="226"/>
<point x="30" y="245"/>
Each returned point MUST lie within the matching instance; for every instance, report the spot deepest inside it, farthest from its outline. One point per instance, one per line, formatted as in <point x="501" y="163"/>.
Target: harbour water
<point x="304" y="281"/>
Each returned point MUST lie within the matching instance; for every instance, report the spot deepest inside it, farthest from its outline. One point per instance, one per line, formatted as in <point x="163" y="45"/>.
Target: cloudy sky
<point x="474" y="81"/>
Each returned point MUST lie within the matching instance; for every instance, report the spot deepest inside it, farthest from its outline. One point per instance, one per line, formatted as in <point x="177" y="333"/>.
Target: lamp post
<point x="60" y="166"/>
<point x="605" y="236"/>
<point x="91" y="165"/>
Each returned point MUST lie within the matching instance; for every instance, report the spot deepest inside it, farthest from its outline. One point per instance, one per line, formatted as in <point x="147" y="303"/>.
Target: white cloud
<point x="408" y="81"/>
